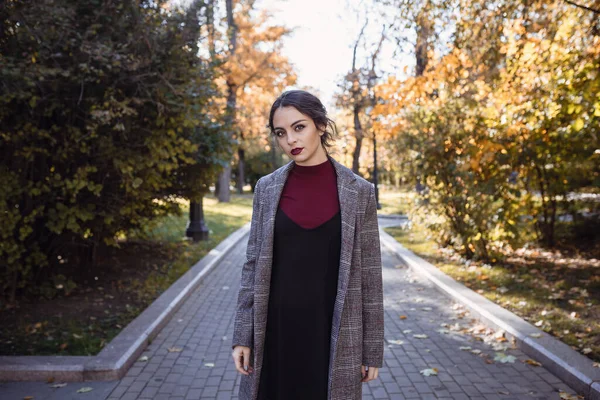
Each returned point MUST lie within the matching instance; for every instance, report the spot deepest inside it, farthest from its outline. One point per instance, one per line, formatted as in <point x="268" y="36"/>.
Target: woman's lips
<point x="297" y="151"/>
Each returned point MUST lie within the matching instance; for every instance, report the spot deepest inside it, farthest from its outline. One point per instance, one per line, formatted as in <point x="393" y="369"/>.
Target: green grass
<point x="129" y="280"/>
<point x="222" y="219"/>
<point x="533" y="286"/>
<point x="396" y="202"/>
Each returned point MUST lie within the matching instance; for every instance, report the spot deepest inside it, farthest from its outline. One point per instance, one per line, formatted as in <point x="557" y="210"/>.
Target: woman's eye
<point x="279" y="133"/>
<point x="299" y="127"/>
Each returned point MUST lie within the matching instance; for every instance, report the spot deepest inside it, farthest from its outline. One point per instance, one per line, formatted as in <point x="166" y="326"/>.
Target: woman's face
<point x="298" y="136"/>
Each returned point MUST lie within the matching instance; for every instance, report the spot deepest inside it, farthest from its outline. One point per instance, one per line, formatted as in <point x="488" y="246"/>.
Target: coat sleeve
<point x="372" y="287"/>
<point x="243" y="330"/>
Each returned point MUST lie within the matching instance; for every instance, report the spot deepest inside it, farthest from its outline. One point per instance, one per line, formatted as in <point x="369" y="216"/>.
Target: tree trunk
<point x="273" y="153"/>
<point x="241" y="181"/>
<point x="225" y="176"/>
<point x="356" y="154"/>
<point x="210" y="22"/>
<point x="223" y="193"/>
<point x="424" y="31"/>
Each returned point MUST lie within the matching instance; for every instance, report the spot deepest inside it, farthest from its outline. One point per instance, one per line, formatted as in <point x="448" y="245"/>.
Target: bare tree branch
<point x="582" y="6"/>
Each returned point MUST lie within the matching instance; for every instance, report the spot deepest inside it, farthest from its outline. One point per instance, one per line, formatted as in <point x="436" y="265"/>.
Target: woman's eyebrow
<point x="292" y="125"/>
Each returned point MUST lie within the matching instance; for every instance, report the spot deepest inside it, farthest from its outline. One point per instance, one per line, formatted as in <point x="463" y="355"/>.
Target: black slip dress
<point x="303" y="288"/>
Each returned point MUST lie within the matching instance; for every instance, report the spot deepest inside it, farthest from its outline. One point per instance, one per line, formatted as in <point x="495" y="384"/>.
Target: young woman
<point x="309" y="320"/>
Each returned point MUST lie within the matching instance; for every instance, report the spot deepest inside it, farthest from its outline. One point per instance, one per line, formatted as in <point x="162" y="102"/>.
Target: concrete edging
<point x="564" y="362"/>
<point x="117" y="356"/>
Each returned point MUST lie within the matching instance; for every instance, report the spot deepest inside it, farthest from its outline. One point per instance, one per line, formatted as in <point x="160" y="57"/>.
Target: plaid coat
<point x="357" y="330"/>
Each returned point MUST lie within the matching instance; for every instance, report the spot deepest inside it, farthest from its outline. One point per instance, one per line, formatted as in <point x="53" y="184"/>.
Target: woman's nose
<point x="291" y="138"/>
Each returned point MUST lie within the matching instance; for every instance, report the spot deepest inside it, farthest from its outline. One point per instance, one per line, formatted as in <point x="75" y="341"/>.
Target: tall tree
<point x="223" y="193"/>
<point x="254" y="72"/>
<point x="102" y="108"/>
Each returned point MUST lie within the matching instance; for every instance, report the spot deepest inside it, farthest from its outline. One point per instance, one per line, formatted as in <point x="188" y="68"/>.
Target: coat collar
<point x="345" y="176"/>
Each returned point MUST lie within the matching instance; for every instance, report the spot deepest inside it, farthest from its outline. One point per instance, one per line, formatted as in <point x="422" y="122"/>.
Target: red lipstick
<point x="297" y="151"/>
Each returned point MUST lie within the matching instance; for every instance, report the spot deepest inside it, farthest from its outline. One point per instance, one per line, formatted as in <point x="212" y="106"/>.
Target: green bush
<point x="104" y="118"/>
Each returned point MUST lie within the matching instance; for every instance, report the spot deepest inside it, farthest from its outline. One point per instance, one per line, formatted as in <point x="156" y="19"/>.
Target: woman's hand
<point x="241" y="357"/>
<point x="370" y="374"/>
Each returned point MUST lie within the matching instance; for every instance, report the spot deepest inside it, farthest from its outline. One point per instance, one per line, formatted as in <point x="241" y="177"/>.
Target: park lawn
<point x="559" y="295"/>
<point x="395" y="202"/>
<point x="125" y="281"/>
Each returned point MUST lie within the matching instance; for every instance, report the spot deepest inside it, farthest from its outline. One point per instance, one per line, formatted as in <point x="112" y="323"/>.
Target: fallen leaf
<point x="420" y="336"/>
<point x="407" y="331"/>
<point x="499" y="347"/>
<point x="209" y="365"/>
<point x="503" y="358"/>
<point x="28" y="398"/>
<point x="532" y="362"/>
<point x="175" y="349"/>
<point x="85" y="389"/>
<point x="426" y="308"/>
<point x="143" y="359"/>
<point x="429" y="371"/>
<point x="503" y="392"/>
<point x="476" y="351"/>
<point x="536" y="335"/>
<point x="567" y="396"/>
<point x="63" y="346"/>
<point x="464" y="348"/>
<point x="395" y="341"/>
<point x="587" y="350"/>
<point x="442" y="330"/>
<point x="596" y="365"/>
<point x="403" y="317"/>
<point x="488" y="361"/>
<point x="58" y="385"/>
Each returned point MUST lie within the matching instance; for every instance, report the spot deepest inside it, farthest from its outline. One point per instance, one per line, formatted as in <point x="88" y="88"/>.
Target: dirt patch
<point x="106" y="298"/>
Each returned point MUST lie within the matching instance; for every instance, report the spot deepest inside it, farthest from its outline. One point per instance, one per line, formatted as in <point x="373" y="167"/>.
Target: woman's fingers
<point x="240" y="360"/>
<point x="246" y="353"/>
<point x="371" y="373"/>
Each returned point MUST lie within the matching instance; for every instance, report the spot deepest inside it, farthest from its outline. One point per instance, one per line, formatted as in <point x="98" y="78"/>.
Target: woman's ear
<point x="321" y="129"/>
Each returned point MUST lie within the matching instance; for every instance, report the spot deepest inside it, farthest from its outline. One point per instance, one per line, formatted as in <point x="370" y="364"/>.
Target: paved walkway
<point x="191" y="357"/>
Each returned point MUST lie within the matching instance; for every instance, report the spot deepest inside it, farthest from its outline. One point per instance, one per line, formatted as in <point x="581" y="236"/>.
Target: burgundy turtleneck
<point x="310" y="196"/>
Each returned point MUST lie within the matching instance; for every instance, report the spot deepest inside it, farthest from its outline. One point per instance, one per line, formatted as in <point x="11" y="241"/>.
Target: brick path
<point x="203" y="368"/>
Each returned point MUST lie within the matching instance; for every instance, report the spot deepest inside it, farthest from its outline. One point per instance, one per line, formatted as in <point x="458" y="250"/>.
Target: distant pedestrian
<point x="309" y="320"/>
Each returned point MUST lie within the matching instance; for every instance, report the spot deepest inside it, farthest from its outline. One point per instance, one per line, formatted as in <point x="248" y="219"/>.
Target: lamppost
<point x="368" y="110"/>
<point x="196" y="228"/>
<point x="375" y="180"/>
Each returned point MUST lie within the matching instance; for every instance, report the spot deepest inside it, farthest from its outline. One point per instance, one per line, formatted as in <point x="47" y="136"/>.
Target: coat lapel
<point x="348" y="197"/>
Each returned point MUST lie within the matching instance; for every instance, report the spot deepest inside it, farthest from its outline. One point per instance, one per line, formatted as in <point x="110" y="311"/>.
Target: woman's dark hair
<point x="309" y="105"/>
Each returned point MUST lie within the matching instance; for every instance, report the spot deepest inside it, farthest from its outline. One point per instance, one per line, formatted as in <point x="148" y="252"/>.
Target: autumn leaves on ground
<point x="113" y="118"/>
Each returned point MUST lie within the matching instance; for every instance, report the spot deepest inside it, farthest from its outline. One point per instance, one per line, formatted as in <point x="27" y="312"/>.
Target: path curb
<point x="564" y="362"/>
<point x="117" y="357"/>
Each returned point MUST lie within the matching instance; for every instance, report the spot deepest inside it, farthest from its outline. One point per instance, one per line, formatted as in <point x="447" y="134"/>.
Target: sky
<point x="320" y="48"/>
<point x="321" y="44"/>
